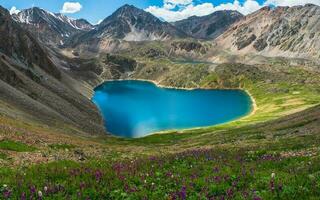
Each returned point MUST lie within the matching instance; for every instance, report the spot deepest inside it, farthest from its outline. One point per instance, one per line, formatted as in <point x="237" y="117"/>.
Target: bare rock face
<point x="15" y="42"/>
<point x="282" y="31"/>
<point x="48" y="27"/>
<point x="209" y="26"/>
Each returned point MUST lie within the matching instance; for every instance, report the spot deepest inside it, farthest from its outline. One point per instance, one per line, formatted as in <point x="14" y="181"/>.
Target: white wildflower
<point x="273" y="175"/>
<point x="40" y="194"/>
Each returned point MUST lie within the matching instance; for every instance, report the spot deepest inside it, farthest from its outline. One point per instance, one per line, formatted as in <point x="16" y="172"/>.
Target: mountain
<point x="35" y="89"/>
<point x="133" y="24"/>
<point x="128" y="23"/>
<point x="209" y="26"/>
<point x="281" y="31"/>
<point x="48" y="27"/>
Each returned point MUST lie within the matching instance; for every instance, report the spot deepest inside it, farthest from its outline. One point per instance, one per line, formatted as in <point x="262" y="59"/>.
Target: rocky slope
<point x="34" y="89"/>
<point x="48" y="27"/>
<point x="282" y="31"/>
<point x="209" y="26"/>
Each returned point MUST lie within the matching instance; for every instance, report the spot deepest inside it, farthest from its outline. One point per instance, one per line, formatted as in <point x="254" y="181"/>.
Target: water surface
<point x="139" y="108"/>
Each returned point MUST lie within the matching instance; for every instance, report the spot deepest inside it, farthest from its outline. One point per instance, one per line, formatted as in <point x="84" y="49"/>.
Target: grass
<point x="235" y="160"/>
<point x="3" y="156"/>
<point x="62" y="146"/>
<point x="220" y="173"/>
<point x="15" y="146"/>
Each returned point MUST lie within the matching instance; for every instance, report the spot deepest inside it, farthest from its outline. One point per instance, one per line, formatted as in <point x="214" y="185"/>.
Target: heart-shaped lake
<point x="138" y="108"/>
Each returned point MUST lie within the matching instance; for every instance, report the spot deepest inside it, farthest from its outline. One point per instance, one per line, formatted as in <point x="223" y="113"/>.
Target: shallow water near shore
<point x="134" y="109"/>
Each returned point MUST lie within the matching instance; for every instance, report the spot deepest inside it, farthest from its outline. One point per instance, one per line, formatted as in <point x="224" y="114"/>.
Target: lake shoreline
<point x="157" y="83"/>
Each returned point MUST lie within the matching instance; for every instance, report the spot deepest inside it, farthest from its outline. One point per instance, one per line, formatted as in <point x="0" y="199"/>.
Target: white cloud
<point x="291" y="2"/>
<point x="174" y="10"/>
<point x="187" y="8"/>
<point x="177" y="2"/>
<point x="14" y="10"/>
<point x="71" y="7"/>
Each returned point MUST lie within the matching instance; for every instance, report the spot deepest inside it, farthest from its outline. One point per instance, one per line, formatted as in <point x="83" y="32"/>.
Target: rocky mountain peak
<point x="132" y="15"/>
<point x="133" y="24"/>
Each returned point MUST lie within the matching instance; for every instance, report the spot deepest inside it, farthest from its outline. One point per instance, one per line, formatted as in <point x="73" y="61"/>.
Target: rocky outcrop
<point x="209" y="26"/>
<point x="188" y="46"/>
<point x="282" y="31"/>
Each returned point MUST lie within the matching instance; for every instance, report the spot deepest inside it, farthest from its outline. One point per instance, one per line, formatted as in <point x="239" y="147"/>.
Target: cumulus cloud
<point x="14" y="10"/>
<point x="71" y="7"/>
<point x="174" y="10"/>
<point x="291" y="2"/>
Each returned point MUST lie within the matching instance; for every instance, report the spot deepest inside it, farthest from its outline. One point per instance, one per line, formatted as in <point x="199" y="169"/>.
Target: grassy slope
<point x="273" y="139"/>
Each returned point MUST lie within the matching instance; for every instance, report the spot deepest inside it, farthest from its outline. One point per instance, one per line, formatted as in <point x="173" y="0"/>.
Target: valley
<point x="52" y="135"/>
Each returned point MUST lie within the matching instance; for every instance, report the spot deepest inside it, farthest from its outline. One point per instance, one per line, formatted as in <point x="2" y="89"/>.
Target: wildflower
<point x="183" y="193"/>
<point x="7" y="194"/>
<point x="98" y="175"/>
<point x="273" y="175"/>
<point x="39" y="193"/>
<point x="272" y="185"/>
<point x="152" y="183"/>
<point x="216" y="169"/>
<point x="5" y="186"/>
<point x="45" y="188"/>
<point x="23" y="196"/>
<point x="82" y="185"/>
<point x="230" y="192"/>
<point x="32" y="189"/>
<point x="256" y="198"/>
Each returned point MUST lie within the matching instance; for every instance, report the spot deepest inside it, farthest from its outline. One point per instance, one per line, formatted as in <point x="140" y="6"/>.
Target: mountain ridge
<point x="50" y="28"/>
<point x="281" y="31"/>
<point x="208" y="26"/>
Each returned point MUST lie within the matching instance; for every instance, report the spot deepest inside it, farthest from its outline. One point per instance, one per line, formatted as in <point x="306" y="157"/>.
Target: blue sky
<point x="169" y="10"/>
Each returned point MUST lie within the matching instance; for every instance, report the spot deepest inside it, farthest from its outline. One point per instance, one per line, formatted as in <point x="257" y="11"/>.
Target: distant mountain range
<point x="281" y="31"/>
<point x="286" y="31"/>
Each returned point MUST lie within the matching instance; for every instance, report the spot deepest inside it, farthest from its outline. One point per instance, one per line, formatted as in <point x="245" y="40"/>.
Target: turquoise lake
<point x="139" y="108"/>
